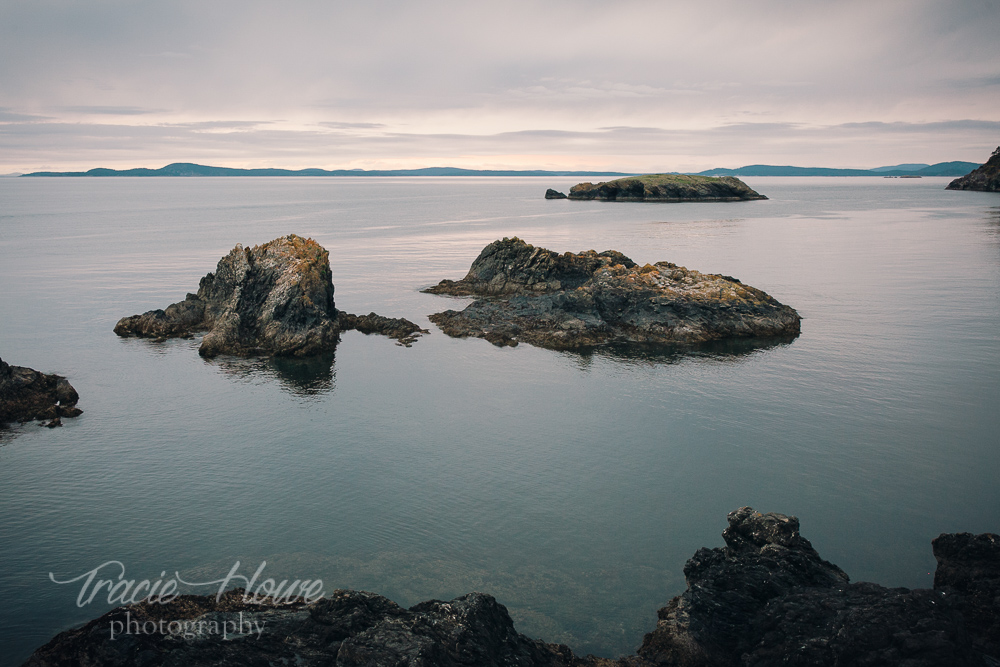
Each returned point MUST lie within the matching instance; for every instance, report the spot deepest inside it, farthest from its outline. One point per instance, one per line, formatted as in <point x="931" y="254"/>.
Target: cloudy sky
<point x="630" y="86"/>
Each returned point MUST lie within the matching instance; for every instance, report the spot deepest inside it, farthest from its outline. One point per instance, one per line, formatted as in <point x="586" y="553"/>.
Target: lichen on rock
<point x="272" y="299"/>
<point x="572" y="301"/>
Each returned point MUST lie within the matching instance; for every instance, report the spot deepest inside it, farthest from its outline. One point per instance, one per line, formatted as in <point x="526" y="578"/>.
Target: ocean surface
<point x="573" y="487"/>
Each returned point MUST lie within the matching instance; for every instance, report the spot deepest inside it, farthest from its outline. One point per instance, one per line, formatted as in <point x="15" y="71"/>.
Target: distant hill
<point x="939" y="169"/>
<point x="186" y="169"/>
<point x="903" y="167"/>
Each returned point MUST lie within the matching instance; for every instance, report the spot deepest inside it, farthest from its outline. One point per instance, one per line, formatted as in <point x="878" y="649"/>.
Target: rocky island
<point x="582" y="300"/>
<point x="665" y="188"/>
<point x="272" y="299"/>
<point x="985" y="179"/>
<point x="26" y="395"/>
<point x="764" y="599"/>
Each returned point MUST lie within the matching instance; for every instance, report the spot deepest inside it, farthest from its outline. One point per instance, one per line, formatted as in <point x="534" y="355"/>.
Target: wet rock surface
<point x="272" y="299"/>
<point x="26" y="395"/>
<point x="667" y="188"/>
<point x="572" y="301"/>
<point x="765" y="599"/>
<point x="986" y="178"/>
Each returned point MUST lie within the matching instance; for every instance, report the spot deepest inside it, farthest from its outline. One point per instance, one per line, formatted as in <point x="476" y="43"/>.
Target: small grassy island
<point x="667" y="188"/>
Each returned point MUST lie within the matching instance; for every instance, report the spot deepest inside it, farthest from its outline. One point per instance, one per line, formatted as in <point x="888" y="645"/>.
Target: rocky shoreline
<point x="671" y="188"/>
<point x="272" y="299"/>
<point x="574" y="301"/>
<point x="984" y="179"/>
<point x="27" y="395"/>
<point x="766" y="598"/>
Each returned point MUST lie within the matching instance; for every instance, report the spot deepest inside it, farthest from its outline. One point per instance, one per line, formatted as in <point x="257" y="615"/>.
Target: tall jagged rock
<point x="580" y="300"/>
<point x="275" y="298"/>
<point x="986" y="178"/>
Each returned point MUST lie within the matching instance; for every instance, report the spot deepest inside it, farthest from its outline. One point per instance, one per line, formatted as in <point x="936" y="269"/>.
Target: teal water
<point x="572" y="487"/>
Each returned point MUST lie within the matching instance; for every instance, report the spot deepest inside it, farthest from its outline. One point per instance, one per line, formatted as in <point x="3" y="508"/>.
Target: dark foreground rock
<point x="554" y="194"/>
<point x="986" y="178"/>
<point x="275" y="298"/>
<point x="347" y="628"/>
<point x="26" y="394"/>
<point x="765" y="599"/>
<point x="580" y="300"/>
<point x="667" y="188"/>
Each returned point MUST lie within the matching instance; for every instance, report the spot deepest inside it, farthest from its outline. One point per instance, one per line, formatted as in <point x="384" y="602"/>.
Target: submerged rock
<point x="579" y="300"/>
<point x="404" y="331"/>
<point x="667" y="188"/>
<point x="765" y="599"/>
<point x="26" y="394"/>
<point x="275" y="298"/>
<point x="986" y="178"/>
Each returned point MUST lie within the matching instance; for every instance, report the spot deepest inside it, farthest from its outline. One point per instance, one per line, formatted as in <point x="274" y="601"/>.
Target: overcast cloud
<point x="587" y="85"/>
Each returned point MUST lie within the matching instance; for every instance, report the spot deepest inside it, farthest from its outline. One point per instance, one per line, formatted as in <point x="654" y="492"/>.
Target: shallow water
<point x="571" y="486"/>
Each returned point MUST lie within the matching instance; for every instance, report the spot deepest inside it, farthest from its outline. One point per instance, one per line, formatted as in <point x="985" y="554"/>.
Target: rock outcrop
<point x="986" y="178"/>
<point x="765" y="599"/>
<point x="554" y="194"/>
<point x="272" y="299"/>
<point x="667" y="188"/>
<point x="581" y="300"/>
<point x="347" y="628"/>
<point x="26" y="394"/>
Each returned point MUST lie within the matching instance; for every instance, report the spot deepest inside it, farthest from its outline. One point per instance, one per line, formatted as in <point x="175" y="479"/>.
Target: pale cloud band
<point x="648" y="86"/>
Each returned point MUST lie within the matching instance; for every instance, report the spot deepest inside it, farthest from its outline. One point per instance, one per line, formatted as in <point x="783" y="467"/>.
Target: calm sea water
<point x="572" y="487"/>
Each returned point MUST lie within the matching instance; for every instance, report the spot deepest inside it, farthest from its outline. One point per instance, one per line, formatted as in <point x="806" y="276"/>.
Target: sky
<point x="625" y="86"/>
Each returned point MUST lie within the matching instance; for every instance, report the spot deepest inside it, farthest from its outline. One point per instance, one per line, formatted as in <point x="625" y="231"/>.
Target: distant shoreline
<point x="188" y="170"/>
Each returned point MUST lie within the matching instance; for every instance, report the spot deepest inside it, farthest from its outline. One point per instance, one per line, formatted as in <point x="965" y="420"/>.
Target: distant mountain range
<point x="187" y="169"/>
<point x="939" y="169"/>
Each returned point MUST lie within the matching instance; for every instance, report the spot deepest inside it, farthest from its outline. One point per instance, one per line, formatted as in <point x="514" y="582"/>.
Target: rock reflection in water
<point x="725" y="351"/>
<point x="306" y="376"/>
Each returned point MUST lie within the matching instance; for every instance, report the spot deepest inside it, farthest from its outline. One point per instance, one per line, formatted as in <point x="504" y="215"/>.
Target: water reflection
<point x="309" y="376"/>
<point x="723" y="351"/>
<point x="992" y="219"/>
